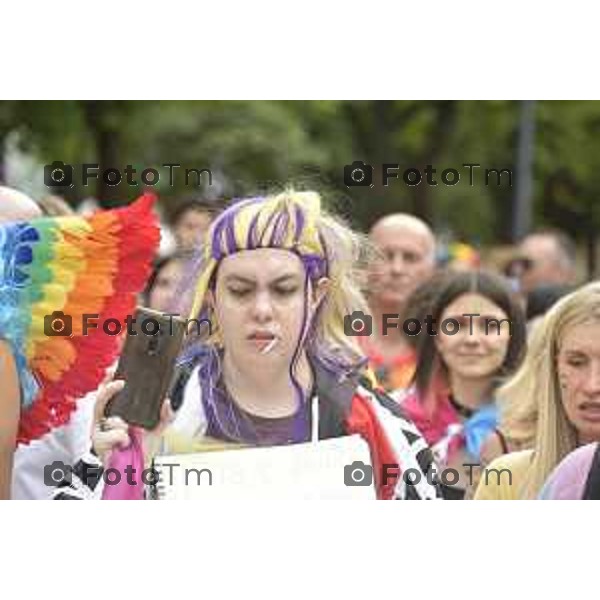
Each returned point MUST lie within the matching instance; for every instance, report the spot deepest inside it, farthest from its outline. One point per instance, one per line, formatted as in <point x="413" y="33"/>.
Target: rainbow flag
<point x="74" y="265"/>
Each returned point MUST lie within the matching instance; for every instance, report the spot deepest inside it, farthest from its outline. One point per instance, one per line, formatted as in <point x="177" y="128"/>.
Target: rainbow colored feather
<point x="76" y="265"/>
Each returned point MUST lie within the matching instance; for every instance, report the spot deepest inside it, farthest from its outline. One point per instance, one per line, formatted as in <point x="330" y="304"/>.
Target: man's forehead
<point x="396" y="236"/>
<point x="402" y="224"/>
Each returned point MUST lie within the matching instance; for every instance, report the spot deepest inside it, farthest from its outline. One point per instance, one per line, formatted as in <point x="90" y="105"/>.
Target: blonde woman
<point x="562" y="373"/>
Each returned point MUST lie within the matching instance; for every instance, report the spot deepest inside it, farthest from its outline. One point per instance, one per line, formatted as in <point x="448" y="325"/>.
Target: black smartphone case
<point x="146" y="364"/>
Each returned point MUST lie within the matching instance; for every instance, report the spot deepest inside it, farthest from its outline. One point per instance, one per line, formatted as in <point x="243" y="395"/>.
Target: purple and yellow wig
<point x="296" y="222"/>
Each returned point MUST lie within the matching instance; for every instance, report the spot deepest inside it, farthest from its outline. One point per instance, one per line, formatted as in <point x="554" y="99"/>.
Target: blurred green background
<point x="252" y="146"/>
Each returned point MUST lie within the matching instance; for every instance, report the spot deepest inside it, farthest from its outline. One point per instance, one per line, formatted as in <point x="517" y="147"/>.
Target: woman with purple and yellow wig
<point x="277" y="277"/>
<point x="276" y="280"/>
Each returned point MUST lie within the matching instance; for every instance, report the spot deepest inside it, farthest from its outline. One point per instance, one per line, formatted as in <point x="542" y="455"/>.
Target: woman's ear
<point x="320" y="290"/>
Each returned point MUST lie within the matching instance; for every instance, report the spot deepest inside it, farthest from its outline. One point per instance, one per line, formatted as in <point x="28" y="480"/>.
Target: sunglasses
<point x="518" y="266"/>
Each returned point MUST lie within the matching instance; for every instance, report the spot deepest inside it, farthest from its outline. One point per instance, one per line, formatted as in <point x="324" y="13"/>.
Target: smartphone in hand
<point x="147" y="365"/>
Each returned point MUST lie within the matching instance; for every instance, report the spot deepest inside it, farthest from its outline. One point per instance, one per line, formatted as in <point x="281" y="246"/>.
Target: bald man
<point x="405" y="259"/>
<point x="16" y="206"/>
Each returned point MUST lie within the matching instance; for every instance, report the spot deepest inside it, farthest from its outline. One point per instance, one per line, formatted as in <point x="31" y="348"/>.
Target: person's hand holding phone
<point x="110" y="433"/>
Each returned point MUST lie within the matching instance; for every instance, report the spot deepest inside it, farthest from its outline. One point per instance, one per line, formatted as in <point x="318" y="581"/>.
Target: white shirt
<point x="190" y="420"/>
<point x="66" y="444"/>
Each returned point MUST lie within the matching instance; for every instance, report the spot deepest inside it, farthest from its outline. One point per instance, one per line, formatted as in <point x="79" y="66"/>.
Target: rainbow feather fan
<point x="76" y="265"/>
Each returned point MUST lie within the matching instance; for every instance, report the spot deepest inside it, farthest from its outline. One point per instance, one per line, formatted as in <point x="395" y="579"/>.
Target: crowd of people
<point x="489" y="375"/>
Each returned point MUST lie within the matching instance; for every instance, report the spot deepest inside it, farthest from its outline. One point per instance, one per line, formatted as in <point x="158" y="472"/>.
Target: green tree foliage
<point x="253" y="146"/>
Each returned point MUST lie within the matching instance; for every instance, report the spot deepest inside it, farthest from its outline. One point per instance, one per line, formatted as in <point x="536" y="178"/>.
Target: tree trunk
<point x="445" y="116"/>
<point x="106" y="136"/>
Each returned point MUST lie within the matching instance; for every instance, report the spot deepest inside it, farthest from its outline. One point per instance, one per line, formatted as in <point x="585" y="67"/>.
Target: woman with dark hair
<point x="478" y="337"/>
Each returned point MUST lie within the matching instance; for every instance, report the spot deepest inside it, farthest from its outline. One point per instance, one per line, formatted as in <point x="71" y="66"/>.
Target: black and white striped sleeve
<point x="82" y="481"/>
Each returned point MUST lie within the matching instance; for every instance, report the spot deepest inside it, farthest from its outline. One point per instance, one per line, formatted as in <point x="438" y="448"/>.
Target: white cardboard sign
<point x="313" y="470"/>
